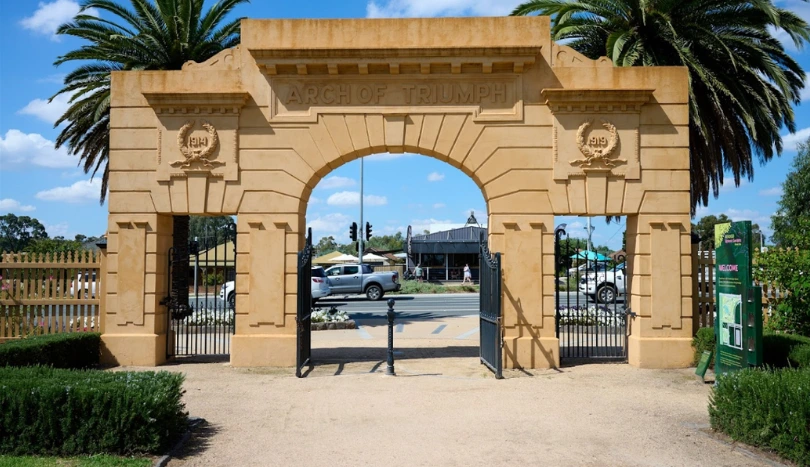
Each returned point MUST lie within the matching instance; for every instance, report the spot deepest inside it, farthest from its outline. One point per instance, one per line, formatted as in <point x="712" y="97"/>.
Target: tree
<point x="326" y="245"/>
<point x="16" y="233"/>
<point x="705" y="229"/>
<point x="791" y="223"/>
<point x="53" y="246"/>
<point x="152" y="35"/>
<point x="211" y="230"/>
<point x="742" y="83"/>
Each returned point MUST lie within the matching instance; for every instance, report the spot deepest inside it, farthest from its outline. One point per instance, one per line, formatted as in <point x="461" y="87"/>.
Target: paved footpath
<point x="445" y="409"/>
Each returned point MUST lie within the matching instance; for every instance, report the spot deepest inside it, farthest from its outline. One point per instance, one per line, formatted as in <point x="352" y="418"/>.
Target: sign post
<point x="738" y="325"/>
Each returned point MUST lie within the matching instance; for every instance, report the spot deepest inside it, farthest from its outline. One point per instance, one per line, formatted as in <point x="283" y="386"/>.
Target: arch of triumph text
<point x="542" y="130"/>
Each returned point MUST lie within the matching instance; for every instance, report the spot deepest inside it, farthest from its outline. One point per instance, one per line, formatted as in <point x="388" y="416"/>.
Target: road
<point x="426" y="306"/>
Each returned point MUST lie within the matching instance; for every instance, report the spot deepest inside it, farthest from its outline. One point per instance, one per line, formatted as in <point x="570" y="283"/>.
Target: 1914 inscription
<point x="406" y="93"/>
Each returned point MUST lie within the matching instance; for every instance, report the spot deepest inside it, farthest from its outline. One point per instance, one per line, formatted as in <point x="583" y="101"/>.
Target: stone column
<point x="660" y="265"/>
<point x="135" y="322"/>
<point x="266" y="287"/>
<point x="527" y="246"/>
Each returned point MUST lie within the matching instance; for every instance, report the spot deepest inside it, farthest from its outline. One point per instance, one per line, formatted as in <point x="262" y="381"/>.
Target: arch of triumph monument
<point x="542" y="131"/>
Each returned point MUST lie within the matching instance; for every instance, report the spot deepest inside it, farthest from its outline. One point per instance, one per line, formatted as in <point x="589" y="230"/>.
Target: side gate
<point x="201" y="321"/>
<point x="591" y="301"/>
<point x="490" y="309"/>
<point x="303" y="318"/>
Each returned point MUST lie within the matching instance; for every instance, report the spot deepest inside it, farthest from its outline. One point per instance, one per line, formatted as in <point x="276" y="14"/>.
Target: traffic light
<point x="353" y="231"/>
<point x="368" y="231"/>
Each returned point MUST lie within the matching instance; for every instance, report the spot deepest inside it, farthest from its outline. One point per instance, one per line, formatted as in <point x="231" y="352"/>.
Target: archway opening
<point x="592" y="289"/>
<point x="434" y="284"/>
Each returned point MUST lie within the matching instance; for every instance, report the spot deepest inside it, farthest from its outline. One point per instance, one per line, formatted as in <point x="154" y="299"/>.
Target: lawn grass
<point x="82" y="461"/>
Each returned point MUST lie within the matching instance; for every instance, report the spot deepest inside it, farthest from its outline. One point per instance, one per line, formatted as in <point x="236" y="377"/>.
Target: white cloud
<point x="57" y="230"/>
<point x="352" y="198"/>
<point x="775" y="191"/>
<point x="729" y="185"/>
<point x="314" y="200"/>
<point x="791" y="141"/>
<point x="805" y="94"/>
<point x="47" y="111"/>
<point x="435" y="177"/>
<point x="57" y="78"/>
<point x="330" y="224"/>
<point x="423" y="8"/>
<point x="12" y="205"/>
<point x="387" y="156"/>
<point x="18" y="148"/>
<point x="49" y="16"/>
<point x="83" y="191"/>
<point x="331" y="183"/>
<point x="480" y="215"/>
<point x="439" y="205"/>
<point x="420" y="225"/>
<point x="756" y="217"/>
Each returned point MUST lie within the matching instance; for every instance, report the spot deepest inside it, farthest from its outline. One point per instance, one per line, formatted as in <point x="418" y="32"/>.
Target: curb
<point x="193" y="423"/>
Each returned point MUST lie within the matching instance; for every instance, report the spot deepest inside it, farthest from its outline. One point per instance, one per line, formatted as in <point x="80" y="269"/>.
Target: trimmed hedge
<point x="765" y="408"/>
<point x="67" y="350"/>
<point x="703" y="340"/>
<point x="800" y="356"/>
<point x="46" y="411"/>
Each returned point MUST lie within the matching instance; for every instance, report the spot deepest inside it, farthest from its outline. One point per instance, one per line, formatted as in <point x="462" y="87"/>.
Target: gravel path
<point x="445" y="409"/>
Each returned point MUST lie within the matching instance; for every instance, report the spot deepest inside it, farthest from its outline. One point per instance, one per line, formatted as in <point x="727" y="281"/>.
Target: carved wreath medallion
<point x="197" y="149"/>
<point x="597" y="149"/>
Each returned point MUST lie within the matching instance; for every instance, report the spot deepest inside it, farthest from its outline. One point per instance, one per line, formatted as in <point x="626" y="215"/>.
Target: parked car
<point x="604" y="285"/>
<point x="320" y="288"/>
<point x="348" y="279"/>
<point x="88" y="286"/>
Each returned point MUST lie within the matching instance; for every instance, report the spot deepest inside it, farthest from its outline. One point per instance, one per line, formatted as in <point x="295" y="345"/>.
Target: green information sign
<point x="738" y="324"/>
<point x="703" y="364"/>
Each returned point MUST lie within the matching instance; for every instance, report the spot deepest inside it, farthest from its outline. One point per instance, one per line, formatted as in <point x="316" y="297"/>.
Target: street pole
<point x="590" y="229"/>
<point x="362" y="227"/>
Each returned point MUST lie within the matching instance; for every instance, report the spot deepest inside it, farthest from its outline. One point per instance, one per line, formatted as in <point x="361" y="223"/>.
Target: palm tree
<point x="152" y="35"/>
<point x="742" y="84"/>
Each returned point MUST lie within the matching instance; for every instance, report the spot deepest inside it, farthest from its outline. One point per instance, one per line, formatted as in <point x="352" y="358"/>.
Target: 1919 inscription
<point x="409" y="94"/>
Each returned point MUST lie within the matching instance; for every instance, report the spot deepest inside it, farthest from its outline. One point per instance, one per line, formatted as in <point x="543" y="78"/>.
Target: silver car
<point x="321" y="287"/>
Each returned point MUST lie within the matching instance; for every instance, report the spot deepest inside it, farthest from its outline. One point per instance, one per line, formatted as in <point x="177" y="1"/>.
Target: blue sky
<point x="39" y="181"/>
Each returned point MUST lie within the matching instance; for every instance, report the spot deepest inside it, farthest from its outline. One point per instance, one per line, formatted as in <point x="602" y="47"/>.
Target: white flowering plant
<point x="332" y="315"/>
<point x="592" y="315"/>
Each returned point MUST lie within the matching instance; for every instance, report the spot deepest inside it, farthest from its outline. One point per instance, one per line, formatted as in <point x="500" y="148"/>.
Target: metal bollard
<point x="389" y="370"/>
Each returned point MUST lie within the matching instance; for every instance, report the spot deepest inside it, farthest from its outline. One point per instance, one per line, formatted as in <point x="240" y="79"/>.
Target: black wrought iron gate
<point x="490" y="309"/>
<point x="303" y="319"/>
<point x="203" y="321"/>
<point x="591" y="303"/>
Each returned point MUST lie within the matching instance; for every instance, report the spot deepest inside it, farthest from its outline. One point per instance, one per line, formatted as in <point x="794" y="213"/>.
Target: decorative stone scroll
<point x="596" y="131"/>
<point x="197" y="134"/>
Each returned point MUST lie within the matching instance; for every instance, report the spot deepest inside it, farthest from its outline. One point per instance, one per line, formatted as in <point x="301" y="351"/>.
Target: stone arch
<point x="528" y="120"/>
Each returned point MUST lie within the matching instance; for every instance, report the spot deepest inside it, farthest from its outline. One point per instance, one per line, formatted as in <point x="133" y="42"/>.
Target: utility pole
<point x="360" y="240"/>
<point x="590" y="231"/>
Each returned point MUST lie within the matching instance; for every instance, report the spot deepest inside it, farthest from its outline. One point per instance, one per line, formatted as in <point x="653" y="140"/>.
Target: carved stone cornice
<point x="197" y="103"/>
<point x="596" y="100"/>
<point x="396" y="61"/>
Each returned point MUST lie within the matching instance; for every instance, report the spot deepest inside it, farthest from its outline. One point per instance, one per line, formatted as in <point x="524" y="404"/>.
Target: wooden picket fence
<point x="703" y="283"/>
<point x="48" y="294"/>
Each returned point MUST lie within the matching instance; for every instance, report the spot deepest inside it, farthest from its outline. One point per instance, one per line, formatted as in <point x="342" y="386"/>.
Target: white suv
<point x="88" y="285"/>
<point x="320" y="288"/>
<point x="606" y="285"/>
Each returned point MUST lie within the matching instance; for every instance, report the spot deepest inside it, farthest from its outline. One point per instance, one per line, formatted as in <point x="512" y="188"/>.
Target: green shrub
<point x="777" y="349"/>
<point x="46" y="411"/>
<point x="703" y="340"/>
<point x="67" y="350"/>
<point x="800" y="357"/>
<point x="214" y="279"/>
<point x="788" y="270"/>
<point x="765" y="408"/>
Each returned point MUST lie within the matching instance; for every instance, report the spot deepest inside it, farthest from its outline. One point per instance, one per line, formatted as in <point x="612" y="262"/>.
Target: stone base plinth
<point x="133" y="349"/>
<point x="663" y="352"/>
<point x="531" y="352"/>
<point x="263" y="350"/>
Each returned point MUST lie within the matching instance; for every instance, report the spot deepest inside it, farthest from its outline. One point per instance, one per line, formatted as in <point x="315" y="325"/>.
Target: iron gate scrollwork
<point x="202" y="323"/>
<point x="590" y="298"/>
<point x="303" y="318"/>
<point x="491" y="339"/>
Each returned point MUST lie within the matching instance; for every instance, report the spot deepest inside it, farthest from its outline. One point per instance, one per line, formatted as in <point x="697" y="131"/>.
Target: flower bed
<point x="592" y="315"/>
<point x="331" y="319"/>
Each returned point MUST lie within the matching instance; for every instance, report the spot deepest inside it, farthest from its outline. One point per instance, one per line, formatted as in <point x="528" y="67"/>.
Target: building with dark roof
<point x="444" y="254"/>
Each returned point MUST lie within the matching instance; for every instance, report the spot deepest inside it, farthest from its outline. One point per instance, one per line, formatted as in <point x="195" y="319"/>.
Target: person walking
<point x="467" y="275"/>
<point x="418" y="272"/>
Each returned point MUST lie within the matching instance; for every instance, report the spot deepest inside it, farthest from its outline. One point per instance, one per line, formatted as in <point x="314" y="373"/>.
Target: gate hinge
<point x="630" y="313"/>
